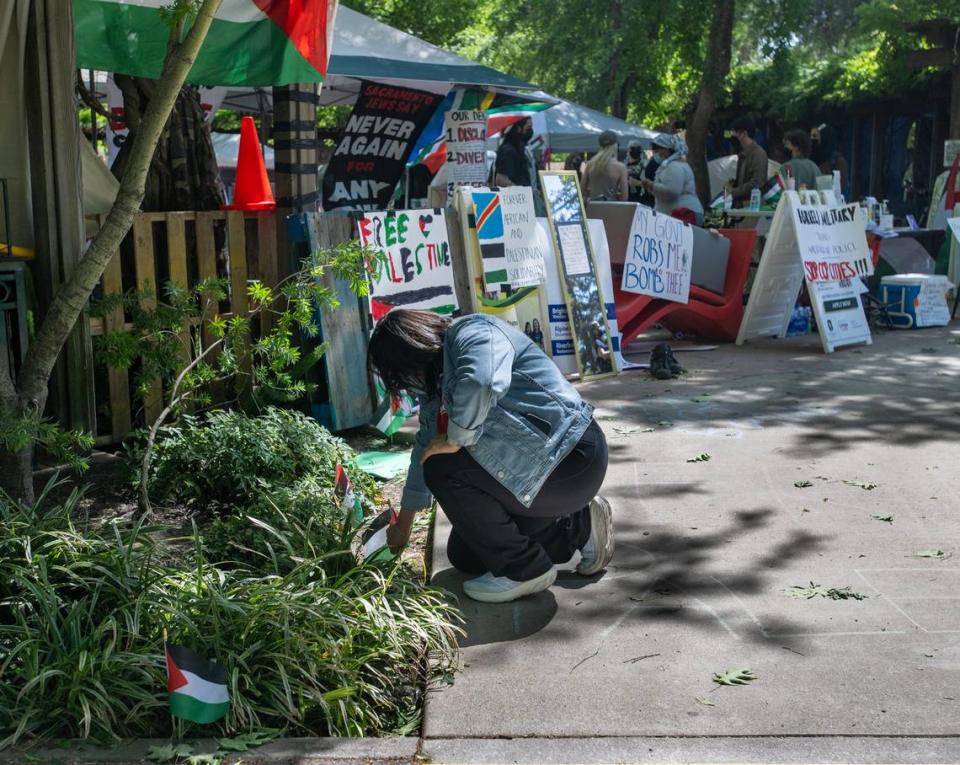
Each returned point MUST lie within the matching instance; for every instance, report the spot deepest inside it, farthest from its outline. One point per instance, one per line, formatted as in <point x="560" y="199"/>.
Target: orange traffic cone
<point x="252" y="188"/>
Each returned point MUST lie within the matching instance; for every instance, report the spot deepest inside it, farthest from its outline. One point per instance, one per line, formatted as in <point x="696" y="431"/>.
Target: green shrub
<point x="82" y="612"/>
<point x="228" y="457"/>
<point x="282" y="527"/>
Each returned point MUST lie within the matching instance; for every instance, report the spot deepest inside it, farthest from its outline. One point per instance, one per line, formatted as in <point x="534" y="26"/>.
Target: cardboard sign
<point x="466" y="134"/>
<point x="411" y="264"/>
<point x="372" y="150"/>
<point x="833" y="242"/>
<point x="511" y="249"/>
<point x="659" y="256"/>
<point x="589" y="329"/>
<point x="836" y="304"/>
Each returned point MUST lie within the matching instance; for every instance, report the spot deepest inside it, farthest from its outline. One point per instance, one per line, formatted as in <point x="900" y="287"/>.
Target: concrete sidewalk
<point x="705" y="551"/>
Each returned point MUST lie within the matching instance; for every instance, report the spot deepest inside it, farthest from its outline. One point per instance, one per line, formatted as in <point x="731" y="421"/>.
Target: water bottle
<point x="755" y="199"/>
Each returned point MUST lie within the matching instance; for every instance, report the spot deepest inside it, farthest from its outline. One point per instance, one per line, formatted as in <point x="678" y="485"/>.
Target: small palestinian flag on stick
<point x="197" y="687"/>
<point x="770" y="191"/>
<point x="349" y="503"/>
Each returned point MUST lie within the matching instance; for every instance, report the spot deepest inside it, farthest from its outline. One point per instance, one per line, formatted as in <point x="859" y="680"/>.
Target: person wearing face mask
<point x="751" y="164"/>
<point x="803" y="170"/>
<point x="673" y="186"/>
<point x="510" y="451"/>
<point x="514" y="166"/>
<point x="635" y="168"/>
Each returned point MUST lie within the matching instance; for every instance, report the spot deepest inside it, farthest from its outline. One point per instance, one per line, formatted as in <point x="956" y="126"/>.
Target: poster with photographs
<point x="589" y="329"/>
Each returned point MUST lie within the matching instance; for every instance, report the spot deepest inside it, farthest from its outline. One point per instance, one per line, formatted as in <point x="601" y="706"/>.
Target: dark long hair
<point x="406" y="350"/>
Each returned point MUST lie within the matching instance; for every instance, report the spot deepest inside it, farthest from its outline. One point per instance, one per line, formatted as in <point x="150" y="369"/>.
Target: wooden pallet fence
<point x="182" y="248"/>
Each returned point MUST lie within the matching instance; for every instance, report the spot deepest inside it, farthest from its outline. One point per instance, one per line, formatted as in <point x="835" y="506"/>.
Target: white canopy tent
<point x="570" y="127"/>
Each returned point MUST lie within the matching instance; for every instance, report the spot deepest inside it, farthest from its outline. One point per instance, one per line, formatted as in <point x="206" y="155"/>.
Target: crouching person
<point x="506" y="445"/>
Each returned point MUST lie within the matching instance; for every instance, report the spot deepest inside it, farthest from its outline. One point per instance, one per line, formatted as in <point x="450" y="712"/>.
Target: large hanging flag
<point x="251" y="42"/>
<point x="197" y="687"/>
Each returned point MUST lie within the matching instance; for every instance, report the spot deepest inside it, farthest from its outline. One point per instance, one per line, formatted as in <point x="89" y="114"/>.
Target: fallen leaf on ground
<point x="704" y="457"/>
<point x="865" y="485"/>
<point x="819" y="591"/>
<point x="884" y="518"/>
<point x="939" y="554"/>
<point x="734" y="677"/>
<point x="803" y="484"/>
<point x="705" y="702"/>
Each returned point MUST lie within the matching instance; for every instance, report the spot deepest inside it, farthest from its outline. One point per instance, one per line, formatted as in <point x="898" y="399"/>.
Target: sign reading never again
<point x="372" y="150"/>
<point x="410" y="266"/>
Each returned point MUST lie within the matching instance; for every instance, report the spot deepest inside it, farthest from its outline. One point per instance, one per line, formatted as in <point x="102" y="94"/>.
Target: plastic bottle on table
<point x="755" y="198"/>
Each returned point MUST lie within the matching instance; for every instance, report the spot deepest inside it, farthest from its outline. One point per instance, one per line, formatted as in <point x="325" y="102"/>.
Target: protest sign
<point x="506" y="228"/>
<point x="825" y="236"/>
<point x="659" y="256"/>
<point x="589" y="328"/>
<point x="410" y="267"/>
<point x="466" y="134"/>
<point x="373" y="148"/>
<point x="832" y="242"/>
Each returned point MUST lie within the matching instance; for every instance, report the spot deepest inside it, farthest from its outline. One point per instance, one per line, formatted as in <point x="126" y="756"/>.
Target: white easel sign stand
<point x="812" y="239"/>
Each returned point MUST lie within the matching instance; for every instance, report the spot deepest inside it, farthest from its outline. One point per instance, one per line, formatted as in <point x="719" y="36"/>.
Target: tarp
<point x="571" y="127"/>
<point x="364" y="48"/>
<point x="227" y="146"/>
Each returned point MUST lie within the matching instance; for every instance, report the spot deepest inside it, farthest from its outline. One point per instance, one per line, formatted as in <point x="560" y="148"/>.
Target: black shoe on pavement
<point x="659" y="362"/>
<point x="672" y="362"/>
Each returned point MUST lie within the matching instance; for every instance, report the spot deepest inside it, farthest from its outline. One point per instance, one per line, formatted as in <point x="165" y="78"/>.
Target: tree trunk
<point x="30" y="386"/>
<point x="16" y="474"/>
<point x="184" y="173"/>
<point x="716" y="67"/>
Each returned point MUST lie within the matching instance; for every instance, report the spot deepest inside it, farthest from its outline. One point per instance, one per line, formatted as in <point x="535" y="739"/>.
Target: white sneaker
<point x="597" y="552"/>
<point x="501" y="589"/>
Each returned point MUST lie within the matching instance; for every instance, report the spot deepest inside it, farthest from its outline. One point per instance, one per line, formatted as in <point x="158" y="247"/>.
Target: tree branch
<point x="73" y="296"/>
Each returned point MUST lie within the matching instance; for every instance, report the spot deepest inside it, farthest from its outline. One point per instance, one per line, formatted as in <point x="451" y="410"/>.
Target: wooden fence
<point x="182" y="248"/>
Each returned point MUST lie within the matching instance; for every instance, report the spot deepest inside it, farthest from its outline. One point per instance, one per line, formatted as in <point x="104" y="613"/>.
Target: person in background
<point x="507" y="446"/>
<point x="635" y="167"/>
<point x="673" y="186"/>
<point x="751" y="164"/>
<point x="826" y="153"/>
<point x="605" y="176"/>
<point x="574" y="161"/>
<point x="514" y="165"/>
<point x="803" y="170"/>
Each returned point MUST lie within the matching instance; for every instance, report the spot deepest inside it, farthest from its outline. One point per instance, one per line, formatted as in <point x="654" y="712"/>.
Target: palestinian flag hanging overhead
<point x="198" y="688"/>
<point x="251" y="42"/>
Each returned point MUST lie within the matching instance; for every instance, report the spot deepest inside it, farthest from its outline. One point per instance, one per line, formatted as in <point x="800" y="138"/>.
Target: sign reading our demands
<point x="410" y="267"/>
<point x="659" y="256"/>
<point x="373" y="148"/>
<point x="833" y="242"/>
<point x="511" y="249"/>
<point x="466" y="135"/>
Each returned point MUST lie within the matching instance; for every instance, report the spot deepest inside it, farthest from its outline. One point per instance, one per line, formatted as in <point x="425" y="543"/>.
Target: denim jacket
<point x="506" y="403"/>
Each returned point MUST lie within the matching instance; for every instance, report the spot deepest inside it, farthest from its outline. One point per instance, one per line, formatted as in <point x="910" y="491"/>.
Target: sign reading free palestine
<point x="410" y="266"/>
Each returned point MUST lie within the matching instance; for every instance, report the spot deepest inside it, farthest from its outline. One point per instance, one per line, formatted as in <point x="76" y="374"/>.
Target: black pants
<point x="493" y="531"/>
